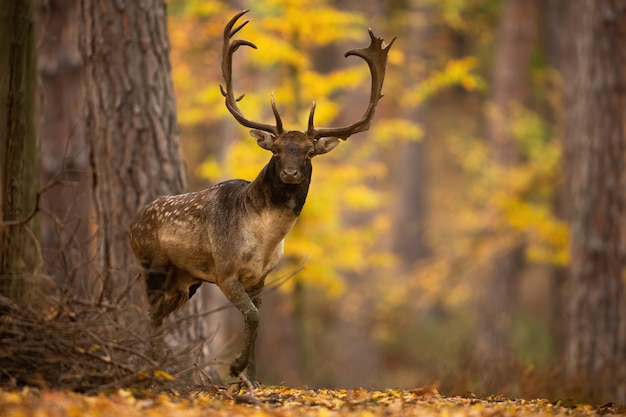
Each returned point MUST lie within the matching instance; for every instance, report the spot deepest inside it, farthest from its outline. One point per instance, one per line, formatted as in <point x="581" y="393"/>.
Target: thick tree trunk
<point x="66" y="206"/>
<point x="18" y="147"/>
<point x="596" y="348"/>
<point x="131" y="125"/>
<point x="511" y="87"/>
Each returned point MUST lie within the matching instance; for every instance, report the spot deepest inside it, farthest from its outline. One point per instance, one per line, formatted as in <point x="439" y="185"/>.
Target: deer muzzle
<point x="291" y="175"/>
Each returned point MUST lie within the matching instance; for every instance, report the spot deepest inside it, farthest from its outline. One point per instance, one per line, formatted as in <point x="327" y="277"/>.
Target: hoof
<point x="251" y="376"/>
<point x="254" y="381"/>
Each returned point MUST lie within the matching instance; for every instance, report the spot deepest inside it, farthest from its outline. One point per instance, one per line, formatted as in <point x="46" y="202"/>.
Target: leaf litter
<point x="282" y="401"/>
<point x="81" y="360"/>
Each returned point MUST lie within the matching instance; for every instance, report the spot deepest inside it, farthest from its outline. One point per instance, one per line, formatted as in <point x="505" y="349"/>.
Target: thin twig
<point x="203" y="372"/>
<point x="246" y="380"/>
<point x="35" y="210"/>
<point x="135" y="352"/>
<point x="186" y="371"/>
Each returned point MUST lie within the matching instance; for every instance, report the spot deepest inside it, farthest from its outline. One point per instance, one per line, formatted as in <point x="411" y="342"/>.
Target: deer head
<point x="293" y="150"/>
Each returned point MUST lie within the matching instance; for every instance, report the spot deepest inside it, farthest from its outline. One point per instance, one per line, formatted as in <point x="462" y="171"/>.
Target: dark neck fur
<point x="273" y="193"/>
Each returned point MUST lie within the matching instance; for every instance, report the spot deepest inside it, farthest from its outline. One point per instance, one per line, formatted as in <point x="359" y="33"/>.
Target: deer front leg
<point x="251" y="369"/>
<point x="236" y="294"/>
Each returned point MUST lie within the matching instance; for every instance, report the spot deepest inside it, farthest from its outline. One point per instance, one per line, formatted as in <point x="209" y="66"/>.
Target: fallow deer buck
<point x="231" y="234"/>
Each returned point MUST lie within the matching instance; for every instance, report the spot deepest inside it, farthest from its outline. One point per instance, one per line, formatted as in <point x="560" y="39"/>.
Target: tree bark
<point x="596" y="346"/>
<point x="131" y="125"/>
<point x="66" y="206"/>
<point x="18" y="147"/>
<point x="511" y="87"/>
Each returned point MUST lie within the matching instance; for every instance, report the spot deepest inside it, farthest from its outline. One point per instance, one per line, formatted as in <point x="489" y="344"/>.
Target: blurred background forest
<point x="397" y="238"/>
<point x="433" y="248"/>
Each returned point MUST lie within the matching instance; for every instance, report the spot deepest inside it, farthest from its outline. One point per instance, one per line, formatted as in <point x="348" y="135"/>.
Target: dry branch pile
<point x="79" y="346"/>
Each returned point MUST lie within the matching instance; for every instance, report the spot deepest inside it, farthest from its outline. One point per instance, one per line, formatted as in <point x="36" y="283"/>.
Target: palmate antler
<point x="375" y="55"/>
<point x="228" y="49"/>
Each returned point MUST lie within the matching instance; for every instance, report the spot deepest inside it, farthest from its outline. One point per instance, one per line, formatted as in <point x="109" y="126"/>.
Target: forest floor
<point x="282" y="402"/>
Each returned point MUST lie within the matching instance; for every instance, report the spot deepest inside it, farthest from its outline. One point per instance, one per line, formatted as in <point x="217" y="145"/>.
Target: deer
<point x="232" y="233"/>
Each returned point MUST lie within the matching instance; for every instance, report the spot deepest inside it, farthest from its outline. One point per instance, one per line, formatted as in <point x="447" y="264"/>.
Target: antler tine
<point x="228" y="49"/>
<point x="311" y="128"/>
<point x="376" y="57"/>
<point x="279" y="122"/>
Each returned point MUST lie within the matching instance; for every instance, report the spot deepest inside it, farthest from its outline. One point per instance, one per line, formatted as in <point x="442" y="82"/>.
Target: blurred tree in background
<point x="509" y="100"/>
<point x="433" y="248"/>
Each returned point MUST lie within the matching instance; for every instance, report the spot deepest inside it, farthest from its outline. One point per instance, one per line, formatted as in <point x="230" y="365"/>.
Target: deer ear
<point x="324" y="145"/>
<point x="264" y="139"/>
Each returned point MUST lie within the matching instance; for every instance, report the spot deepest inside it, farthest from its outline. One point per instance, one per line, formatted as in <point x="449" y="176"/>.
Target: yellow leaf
<point x="158" y="373"/>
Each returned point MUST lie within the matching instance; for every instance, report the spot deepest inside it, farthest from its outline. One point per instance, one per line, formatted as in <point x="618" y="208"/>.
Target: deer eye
<point x="311" y="153"/>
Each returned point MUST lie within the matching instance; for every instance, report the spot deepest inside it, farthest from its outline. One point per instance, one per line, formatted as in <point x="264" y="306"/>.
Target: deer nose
<point x="290" y="175"/>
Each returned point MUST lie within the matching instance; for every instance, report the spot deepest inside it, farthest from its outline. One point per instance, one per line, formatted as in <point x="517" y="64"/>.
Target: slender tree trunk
<point x="596" y="347"/>
<point x="557" y="42"/>
<point x="409" y="218"/>
<point x="131" y="126"/>
<point x="18" y="147"/>
<point x="511" y="87"/>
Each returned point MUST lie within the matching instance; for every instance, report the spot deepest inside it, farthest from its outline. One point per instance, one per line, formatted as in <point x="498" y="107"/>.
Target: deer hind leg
<point x="236" y="294"/>
<point x="168" y="289"/>
<point x="156" y="283"/>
